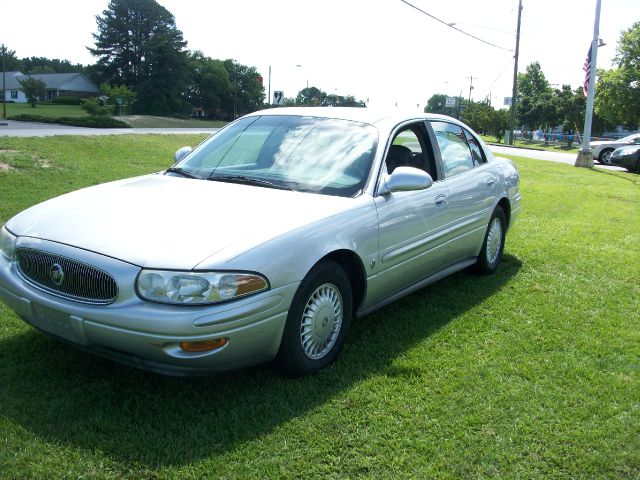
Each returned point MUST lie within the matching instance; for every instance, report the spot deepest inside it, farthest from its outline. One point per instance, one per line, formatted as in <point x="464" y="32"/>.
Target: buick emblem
<point x="56" y="274"/>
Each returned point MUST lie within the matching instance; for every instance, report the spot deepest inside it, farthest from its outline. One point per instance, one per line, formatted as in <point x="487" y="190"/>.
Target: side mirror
<point x="181" y="153"/>
<point x="404" y="179"/>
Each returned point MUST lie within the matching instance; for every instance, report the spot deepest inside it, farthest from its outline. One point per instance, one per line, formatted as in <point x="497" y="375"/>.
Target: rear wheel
<point x="318" y="321"/>
<point x="493" y="245"/>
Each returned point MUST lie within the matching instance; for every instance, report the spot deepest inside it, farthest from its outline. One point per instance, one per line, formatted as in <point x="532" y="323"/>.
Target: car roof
<point x="366" y="115"/>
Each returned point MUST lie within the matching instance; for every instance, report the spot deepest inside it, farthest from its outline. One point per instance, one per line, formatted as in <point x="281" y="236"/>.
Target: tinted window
<point x="456" y="155"/>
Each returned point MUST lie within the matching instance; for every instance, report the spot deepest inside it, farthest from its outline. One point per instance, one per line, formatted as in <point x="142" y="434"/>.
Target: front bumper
<point x="146" y="334"/>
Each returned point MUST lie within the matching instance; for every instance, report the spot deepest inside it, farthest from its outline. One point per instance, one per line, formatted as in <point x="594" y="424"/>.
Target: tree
<point x="33" y="65"/>
<point x="311" y="96"/>
<point x="618" y="90"/>
<point x="535" y="105"/>
<point x="33" y="89"/>
<point x="479" y="116"/>
<point x="11" y="62"/>
<point x="139" y="46"/>
<point x="247" y="91"/>
<point x="209" y="85"/>
<point x="437" y="104"/>
<point x="118" y="92"/>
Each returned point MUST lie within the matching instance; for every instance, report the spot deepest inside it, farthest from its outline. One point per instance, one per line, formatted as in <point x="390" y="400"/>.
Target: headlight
<point x="197" y="288"/>
<point x="7" y="243"/>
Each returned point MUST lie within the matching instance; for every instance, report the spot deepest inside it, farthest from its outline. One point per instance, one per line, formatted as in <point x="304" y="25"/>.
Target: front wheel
<point x="605" y="156"/>
<point x="493" y="245"/>
<point x="318" y="321"/>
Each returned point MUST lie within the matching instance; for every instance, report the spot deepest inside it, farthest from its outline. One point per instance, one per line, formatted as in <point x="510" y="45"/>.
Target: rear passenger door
<point x="471" y="185"/>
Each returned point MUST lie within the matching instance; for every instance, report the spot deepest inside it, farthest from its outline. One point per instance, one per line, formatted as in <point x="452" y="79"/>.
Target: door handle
<point x="441" y="200"/>
<point x="491" y="181"/>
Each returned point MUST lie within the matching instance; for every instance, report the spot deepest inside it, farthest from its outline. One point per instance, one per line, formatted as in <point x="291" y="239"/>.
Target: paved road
<point x="10" y="128"/>
<point x="560" y="157"/>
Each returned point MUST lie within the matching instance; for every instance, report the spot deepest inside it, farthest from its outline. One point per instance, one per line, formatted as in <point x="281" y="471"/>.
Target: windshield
<point x="630" y="138"/>
<point x="311" y="154"/>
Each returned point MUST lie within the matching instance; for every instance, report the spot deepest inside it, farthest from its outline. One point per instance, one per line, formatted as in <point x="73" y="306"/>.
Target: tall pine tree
<point x="139" y="46"/>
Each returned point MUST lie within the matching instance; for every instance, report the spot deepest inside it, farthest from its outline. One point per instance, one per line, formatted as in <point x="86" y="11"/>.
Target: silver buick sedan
<point x="263" y="242"/>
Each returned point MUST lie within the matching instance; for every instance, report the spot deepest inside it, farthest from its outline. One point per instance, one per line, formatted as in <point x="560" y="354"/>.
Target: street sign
<point x="278" y="98"/>
<point x="507" y="101"/>
<point x="450" y="102"/>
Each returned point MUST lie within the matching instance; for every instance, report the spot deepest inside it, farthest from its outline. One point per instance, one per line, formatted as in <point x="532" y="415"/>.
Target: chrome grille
<point x="66" y="277"/>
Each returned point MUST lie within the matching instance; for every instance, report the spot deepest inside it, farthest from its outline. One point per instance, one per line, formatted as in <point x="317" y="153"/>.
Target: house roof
<point x="54" y="81"/>
<point x="12" y="82"/>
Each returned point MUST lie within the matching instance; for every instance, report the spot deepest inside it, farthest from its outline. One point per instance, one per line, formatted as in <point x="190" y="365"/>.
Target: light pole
<point x="585" y="158"/>
<point x="514" y="91"/>
<point x="4" y="85"/>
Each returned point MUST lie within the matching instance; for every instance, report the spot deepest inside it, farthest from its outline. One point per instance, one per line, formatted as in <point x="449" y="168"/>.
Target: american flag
<point x="587" y="73"/>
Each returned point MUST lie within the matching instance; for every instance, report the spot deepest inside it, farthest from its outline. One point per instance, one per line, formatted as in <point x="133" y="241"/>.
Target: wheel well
<point x="355" y="270"/>
<point x="506" y="208"/>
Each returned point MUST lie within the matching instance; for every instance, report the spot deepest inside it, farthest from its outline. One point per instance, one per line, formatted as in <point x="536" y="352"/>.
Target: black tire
<point x="605" y="156"/>
<point x="637" y="167"/>
<point x="318" y="321"/>
<point x="492" y="247"/>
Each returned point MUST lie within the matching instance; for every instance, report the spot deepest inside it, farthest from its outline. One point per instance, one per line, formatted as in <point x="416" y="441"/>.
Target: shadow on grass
<point x="67" y="397"/>
<point x="621" y="174"/>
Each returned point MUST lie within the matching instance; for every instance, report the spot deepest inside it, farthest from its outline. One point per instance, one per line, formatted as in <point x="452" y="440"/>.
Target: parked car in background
<point x="627" y="157"/>
<point x="602" y="150"/>
<point x="263" y="241"/>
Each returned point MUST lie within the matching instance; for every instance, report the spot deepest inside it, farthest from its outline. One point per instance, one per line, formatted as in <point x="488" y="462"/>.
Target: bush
<point x="90" y="122"/>
<point x="94" y="107"/>
<point x="66" y="100"/>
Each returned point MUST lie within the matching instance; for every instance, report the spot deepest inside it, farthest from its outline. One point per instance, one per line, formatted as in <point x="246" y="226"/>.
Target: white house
<point x="57" y="85"/>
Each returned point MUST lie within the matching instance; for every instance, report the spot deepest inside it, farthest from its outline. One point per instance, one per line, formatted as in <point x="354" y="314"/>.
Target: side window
<point x="476" y="149"/>
<point x="456" y="154"/>
<point x="410" y="149"/>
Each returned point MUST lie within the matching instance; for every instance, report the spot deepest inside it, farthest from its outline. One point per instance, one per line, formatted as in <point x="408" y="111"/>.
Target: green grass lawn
<point x="536" y="144"/>
<point x="47" y="110"/>
<point x="139" y="121"/>
<point x="531" y="373"/>
<point x="148" y="121"/>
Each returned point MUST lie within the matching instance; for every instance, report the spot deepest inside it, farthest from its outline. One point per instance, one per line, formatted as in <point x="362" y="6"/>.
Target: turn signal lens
<point x="204" y="345"/>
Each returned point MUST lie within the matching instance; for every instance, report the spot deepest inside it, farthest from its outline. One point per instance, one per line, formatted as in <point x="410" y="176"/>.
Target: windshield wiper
<point x="250" y="181"/>
<point x="182" y="172"/>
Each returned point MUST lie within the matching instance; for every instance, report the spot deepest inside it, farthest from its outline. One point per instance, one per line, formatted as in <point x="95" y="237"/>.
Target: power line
<point x="500" y="74"/>
<point x="455" y="28"/>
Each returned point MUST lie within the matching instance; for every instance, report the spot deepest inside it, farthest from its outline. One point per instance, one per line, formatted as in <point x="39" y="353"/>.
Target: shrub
<point x="94" y="107"/>
<point x="67" y="100"/>
<point x="90" y="122"/>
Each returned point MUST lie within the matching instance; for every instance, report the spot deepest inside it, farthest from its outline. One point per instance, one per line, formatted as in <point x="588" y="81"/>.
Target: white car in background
<point x="602" y="151"/>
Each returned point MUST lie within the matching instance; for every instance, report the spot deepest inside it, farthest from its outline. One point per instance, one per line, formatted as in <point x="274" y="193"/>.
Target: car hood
<point x="160" y="221"/>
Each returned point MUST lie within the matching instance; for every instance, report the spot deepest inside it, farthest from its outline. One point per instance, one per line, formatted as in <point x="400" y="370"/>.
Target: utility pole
<point x="514" y="91"/>
<point x="470" y="85"/>
<point x="4" y="85"/>
<point x="585" y="158"/>
<point x="269" y="94"/>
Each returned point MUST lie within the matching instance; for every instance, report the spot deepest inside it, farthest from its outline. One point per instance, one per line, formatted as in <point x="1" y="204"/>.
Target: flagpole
<point x="585" y="158"/>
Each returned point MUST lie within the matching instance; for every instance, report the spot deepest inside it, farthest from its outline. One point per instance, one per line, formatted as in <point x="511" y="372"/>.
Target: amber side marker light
<point x="204" y="345"/>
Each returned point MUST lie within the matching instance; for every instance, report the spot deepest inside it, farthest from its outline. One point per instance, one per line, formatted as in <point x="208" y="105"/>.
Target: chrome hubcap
<point x="494" y="240"/>
<point x="321" y="321"/>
